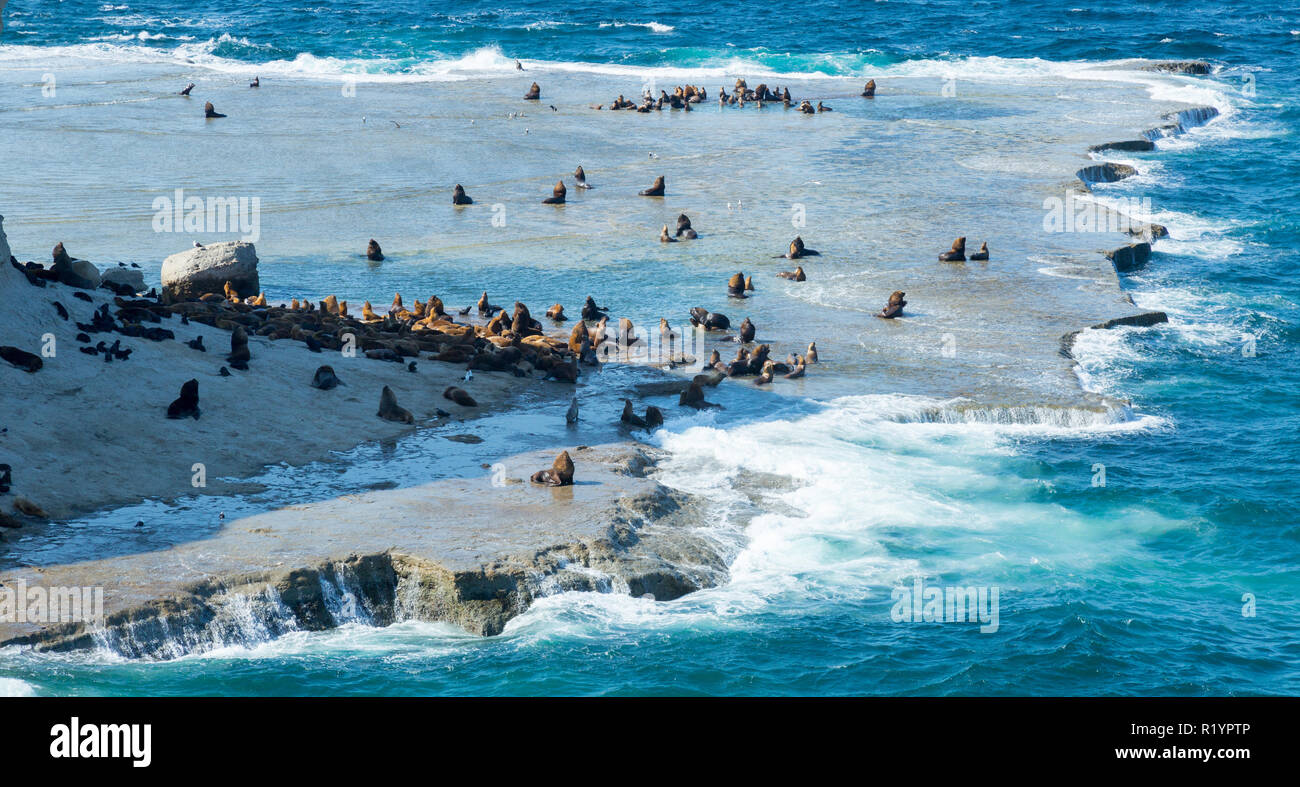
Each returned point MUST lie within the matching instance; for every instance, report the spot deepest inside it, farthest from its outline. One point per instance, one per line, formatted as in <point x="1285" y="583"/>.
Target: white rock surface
<point x="205" y="269"/>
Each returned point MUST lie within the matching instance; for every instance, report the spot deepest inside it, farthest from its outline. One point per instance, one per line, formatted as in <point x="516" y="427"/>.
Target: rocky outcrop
<point x="1130" y="257"/>
<point x="1127" y="145"/>
<point x="1194" y="67"/>
<point x="1143" y="320"/>
<point x="205" y="269"/>
<point x="1108" y="172"/>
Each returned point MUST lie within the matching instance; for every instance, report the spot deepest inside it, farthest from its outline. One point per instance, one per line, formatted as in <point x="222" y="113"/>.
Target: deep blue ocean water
<point x="1136" y="587"/>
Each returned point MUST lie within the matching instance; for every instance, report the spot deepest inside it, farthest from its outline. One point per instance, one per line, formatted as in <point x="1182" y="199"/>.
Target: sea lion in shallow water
<point x="736" y="285"/>
<point x="389" y="410"/>
<point x="982" y="255"/>
<point x="811" y="355"/>
<point x="655" y="190"/>
<point x="957" y="253"/>
<point x="795" y="275"/>
<point x="798" y="249"/>
<point x="664" y="237"/>
<point x="869" y="90"/>
<point x="460" y="396"/>
<point x="210" y="112"/>
<point x="459" y="197"/>
<point x="693" y="396"/>
<point x="590" y="311"/>
<point x="239" y="353"/>
<point x="187" y="89"/>
<point x="711" y="321"/>
<point x="684" y="227"/>
<point x="580" y="179"/>
<point x="559" y="474"/>
<point x="557" y="194"/>
<point x="187" y="404"/>
<point x="373" y="252"/>
<point x="630" y="417"/>
<point x="534" y="93"/>
<point x="556" y="313"/>
<point x="325" y="379"/>
<point x="747" y="331"/>
<point x="895" y="306"/>
<point x="749" y="284"/>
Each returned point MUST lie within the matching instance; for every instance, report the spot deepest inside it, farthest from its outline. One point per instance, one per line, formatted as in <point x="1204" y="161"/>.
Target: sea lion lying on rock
<point x="655" y="190"/>
<point x="557" y="194"/>
<point x="459" y="396"/>
<point x="795" y="275"/>
<point x="957" y="253"/>
<point x="892" y="309"/>
<point x="187" y="404"/>
<point x="325" y="379"/>
<point x="710" y="321"/>
<point x="24" y="360"/>
<point x="559" y="474"/>
<point x="389" y="410"/>
<point x="459" y="197"/>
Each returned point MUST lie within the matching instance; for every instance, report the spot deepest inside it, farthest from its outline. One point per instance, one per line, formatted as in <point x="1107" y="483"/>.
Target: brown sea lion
<point x="626" y="332"/>
<point x="534" y="93"/>
<point x="389" y="409"/>
<point x="957" y="253"/>
<point x="557" y="194"/>
<point x="693" y="396"/>
<point x="556" y="313"/>
<point x="187" y="404"/>
<point x="559" y="474"/>
<point x="711" y="321"/>
<point x="983" y="254"/>
<point x="630" y="417"/>
<point x="397" y="304"/>
<point x="798" y="249"/>
<point x="459" y="197"/>
<point x="239" y="353"/>
<point x="747" y="330"/>
<point x="373" y="252"/>
<point x="749" y="284"/>
<point x="330" y="305"/>
<point x="231" y="293"/>
<point x="590" y="311"/>
<point x="664" y="237"/>
<point x="655" y="190"/>
<point x="869" y="90"/>
<point x="210" y="112"/>
<point x="795" y="275"/>
<point x="895" y="306"/>
<point x="823" y="108"/>
<point x="367" y="313"/>
<point x="811" y="356"/>
<point x="580" y="179"/>
<point x="459" y="396"/>
<point x="766" y="374"/>
<point x="736" y="285"/>
<point x="325" y="379"/>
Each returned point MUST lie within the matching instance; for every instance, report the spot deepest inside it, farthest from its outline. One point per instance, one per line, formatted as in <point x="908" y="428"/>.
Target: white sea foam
<point x="15" y="687"/>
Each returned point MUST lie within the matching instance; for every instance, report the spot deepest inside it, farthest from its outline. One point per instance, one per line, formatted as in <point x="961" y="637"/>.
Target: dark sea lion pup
<point x="957" y="253"/>
<point x="557" y="194"/>
<point x="187" y="404"/>
<point x="684" y="227"/>
<point x="459" y="197"/>
<point x="655" y="190"/>
<point x="325" y="379"/>
<point x="389" y="409"/>
<point x="893" y="309"/>
<point x="210" y="111"/>
<point x="560" y="473"/>
<point x="534" y="93"/>
<point x="580" y="179"/>
<point x="869" y="90"/>
<point x="983" y="254"/>
<point x="187" y="89"/>
<point x="373" y="252"/>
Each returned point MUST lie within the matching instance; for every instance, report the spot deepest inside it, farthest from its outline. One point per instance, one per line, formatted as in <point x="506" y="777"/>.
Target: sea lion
<point x="197" y="344"/>
<point x="61" y="309"/>
<point x="811" y="355"/>
<point x="459" y="197"/>
<point x="389" y="409"/>
<point x="869" y="90"/>
<point x="27" y="508"/>
<point x="693" y="396"/>
<point x="368" y="313"/>
<point x="571" y="415"/>
<point x="557" y="194"/>
<point x="257" y="82"/>
<point x="330" y="305"/>
<point x="187" y="89"/>
<point x="484" y="307"/>
<point x="983" y="254"/>
<point x="325" y="379"/>
<point x="795" y="275"/>
<point x="798" y="249"/>
<point x="766" y="374"/>
<point x="556" y="313"/>
<point x="239" y="354"/>
<point x="664" y="237"/>
<point x="823" y="108"/>
<point x="28" y="362"/>
<point x="653" y="417"/>
<point x="231" y="293"/>
<point x="626" y="332"/>
<point x="807" y="108"/>
<point x="590" y="311"/>
<point x="957" y="253"/>
<point x="749" y="284"/>
<point x="580" y="179"/>
<point x="534" y="93"/>
<point x="210" y="112"/>
<point x="655" y="190"/>
<point x="187" y="404"/>
<point x="224" y="372"/>
<point x="711" y="321"/>
<point x="630" y="417"/>
<point x="559" y="474"/>
<point x="797" y="371"/>
<point x="895" y="306"/>
<point x="714" y="358"/>
<point x="736" y="285"/>
<point x="747" y="331"/>
<point x="459" y="396"/>
<point x="373" y="252"/>
<point x="684" y="227"/>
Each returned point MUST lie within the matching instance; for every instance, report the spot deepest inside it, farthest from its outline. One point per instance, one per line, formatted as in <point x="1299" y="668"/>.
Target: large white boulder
<point x="205" y="269"/>
<point x="121" y="274"/>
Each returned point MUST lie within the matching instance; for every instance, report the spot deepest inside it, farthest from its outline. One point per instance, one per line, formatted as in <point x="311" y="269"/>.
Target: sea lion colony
<point x="516" y="343"/>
